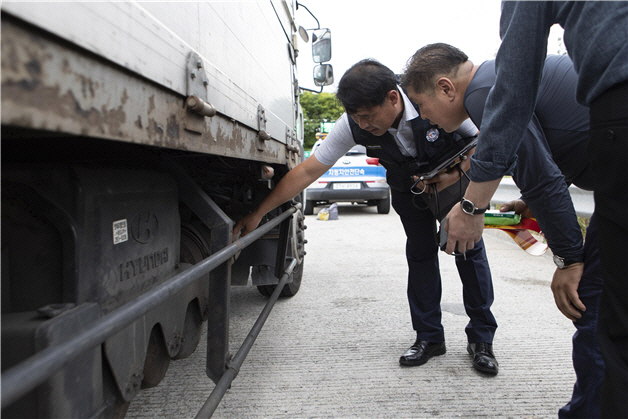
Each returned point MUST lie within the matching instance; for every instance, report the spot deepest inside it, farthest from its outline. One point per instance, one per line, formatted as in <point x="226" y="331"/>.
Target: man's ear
<point x="393" y="96"/>
<point x="446" y="87"/>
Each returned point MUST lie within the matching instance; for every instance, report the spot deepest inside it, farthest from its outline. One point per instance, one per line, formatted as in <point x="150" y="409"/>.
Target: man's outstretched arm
<point x="295" y="181"/>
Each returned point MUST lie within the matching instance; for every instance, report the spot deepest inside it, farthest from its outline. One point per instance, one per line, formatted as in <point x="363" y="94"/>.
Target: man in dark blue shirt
<point x="448" y="89"/>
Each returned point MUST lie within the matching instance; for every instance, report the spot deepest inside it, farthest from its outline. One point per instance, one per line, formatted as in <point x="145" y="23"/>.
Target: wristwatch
<point x="469" y="207"/>
<point x="562" y="263"/>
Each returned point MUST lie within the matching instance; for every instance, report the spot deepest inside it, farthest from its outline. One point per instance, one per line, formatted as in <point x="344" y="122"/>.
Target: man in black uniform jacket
<point x="380" y="116"/>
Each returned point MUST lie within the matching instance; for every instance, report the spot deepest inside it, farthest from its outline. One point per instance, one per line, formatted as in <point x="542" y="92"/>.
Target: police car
<point x="355" y="178"/>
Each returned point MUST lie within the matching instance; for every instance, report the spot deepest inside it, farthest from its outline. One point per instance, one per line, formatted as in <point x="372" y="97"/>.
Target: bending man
<point x="449" y="89"/>
<point x="380" y="116"/>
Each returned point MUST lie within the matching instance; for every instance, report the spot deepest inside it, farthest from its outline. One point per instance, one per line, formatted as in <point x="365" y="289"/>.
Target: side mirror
<point x="323" y="75"/>
<point x="321" y="45"/>
<point x="303" y="34"/>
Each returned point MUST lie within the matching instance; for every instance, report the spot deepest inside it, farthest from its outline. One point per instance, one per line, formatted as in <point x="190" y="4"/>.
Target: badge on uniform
<point x="432" y="135"/>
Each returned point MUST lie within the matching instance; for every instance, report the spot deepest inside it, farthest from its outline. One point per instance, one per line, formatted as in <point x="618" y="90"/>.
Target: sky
<point x="392" y="30"/>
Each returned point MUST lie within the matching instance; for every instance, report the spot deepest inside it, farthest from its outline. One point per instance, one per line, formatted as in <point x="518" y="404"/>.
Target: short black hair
<point x="430" y="62"/>
<point x="365" y="85"/>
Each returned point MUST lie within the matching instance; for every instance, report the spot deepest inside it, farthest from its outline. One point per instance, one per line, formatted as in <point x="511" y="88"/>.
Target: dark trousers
<point x="587" y="358"/>
<point x="608" y="147"/>
<point x="424" y="281"/>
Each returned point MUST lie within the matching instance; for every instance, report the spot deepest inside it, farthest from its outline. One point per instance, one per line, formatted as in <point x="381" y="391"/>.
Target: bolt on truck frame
<point x="133" y="135"/>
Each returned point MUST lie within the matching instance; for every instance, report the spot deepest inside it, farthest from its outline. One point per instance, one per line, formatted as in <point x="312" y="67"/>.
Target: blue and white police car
<point x="355" y="178"/>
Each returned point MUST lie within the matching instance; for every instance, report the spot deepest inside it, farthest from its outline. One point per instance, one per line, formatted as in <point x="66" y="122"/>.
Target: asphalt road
<point x="332" y="351"/>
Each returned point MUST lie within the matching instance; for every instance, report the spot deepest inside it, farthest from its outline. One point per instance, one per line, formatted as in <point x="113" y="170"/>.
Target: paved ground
<point x="332" y="351"/>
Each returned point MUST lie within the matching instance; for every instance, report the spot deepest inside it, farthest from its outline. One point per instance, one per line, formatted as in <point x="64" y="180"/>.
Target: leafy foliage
<point x="317" y="108"/>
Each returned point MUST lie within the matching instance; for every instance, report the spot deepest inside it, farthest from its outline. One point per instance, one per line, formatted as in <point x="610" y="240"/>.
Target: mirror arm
<point x="310" y="90"/>
<point x="308" y="10"/>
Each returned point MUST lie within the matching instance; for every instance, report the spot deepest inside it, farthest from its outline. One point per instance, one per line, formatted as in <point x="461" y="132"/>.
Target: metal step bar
<point x="24" y="377"/>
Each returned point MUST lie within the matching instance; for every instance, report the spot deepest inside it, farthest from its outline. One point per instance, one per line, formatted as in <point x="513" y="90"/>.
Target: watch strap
<point x="481" y="210"/>
<point x="562" y="262"/>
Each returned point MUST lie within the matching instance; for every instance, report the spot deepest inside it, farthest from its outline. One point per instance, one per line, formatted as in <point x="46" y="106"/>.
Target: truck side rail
<point x="24" y="377"/>
<point x="233" y="367"/>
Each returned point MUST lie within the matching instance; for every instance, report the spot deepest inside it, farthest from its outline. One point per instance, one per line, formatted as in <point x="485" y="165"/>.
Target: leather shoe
<point x="483" y="357"/>
<point x="421" y="351"/>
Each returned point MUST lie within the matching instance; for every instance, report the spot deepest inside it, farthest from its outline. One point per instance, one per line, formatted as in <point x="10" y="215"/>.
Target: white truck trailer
<point x="134" y="134"/>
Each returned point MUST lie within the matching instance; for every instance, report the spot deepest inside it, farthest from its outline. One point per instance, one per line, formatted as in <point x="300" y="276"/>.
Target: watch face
<point x="467" y="206"/>
<point x="560" y="262"/>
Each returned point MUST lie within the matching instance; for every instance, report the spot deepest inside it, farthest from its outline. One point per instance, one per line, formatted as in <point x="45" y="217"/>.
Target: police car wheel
<point x="383" y="206"/>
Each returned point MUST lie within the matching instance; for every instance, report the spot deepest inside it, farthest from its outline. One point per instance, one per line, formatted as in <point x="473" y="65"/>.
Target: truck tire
<point x="309" y="207"/>
<point x="194" y="248"/>
<point x="383" y="205"/>
<point x="290" y="289"/>
<point x="296" y="249"/>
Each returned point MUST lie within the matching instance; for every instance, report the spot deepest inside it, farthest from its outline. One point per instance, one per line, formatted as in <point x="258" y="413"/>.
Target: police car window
<point x="358" y="150"/>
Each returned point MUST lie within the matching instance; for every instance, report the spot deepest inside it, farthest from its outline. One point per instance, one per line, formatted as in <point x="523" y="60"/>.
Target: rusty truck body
<point x="134" y="134"/>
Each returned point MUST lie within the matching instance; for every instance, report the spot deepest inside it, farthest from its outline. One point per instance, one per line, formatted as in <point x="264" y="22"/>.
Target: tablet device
<point x="449" y="161"/>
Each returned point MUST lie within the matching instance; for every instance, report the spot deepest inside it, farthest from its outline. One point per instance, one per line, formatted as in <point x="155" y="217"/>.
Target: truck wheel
<point x="296" y="249"/>
<point x="194" y="248"/>
<point x="309" y="207"/>
<point x="290" y="289"/>
<point x="383" y="205"/>
<point x="191" y="331"/>
<point x="157" y="359"/>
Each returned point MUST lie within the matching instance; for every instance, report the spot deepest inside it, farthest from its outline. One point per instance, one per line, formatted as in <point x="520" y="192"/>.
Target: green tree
<point x="317" y="108"/>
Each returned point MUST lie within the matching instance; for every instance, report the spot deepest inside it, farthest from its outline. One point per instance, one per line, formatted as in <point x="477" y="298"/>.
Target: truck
<point x="134" y="134"/>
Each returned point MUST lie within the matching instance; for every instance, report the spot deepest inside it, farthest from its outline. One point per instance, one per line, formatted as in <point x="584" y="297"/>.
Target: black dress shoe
<point x="421" y="351"/>
<point x="483" y="357"/>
